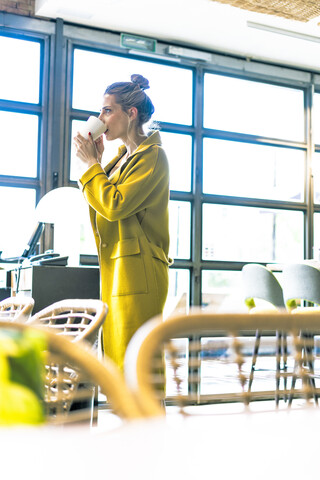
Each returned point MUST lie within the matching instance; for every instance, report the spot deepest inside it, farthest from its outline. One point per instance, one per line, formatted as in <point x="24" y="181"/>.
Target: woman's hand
<point x="99" y="147"/>
<point x="88" y="150"/>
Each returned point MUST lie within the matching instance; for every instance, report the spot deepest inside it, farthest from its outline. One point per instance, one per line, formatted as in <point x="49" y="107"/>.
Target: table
<point x="49" y="284"/>
<point x="260" y="445"/>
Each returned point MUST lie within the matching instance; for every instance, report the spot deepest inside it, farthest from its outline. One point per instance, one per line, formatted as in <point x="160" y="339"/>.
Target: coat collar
<point x="153" y="139"/>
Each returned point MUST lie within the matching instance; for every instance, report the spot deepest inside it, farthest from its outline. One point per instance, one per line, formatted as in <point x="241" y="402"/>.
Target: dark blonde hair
<point x="131" y="94"/>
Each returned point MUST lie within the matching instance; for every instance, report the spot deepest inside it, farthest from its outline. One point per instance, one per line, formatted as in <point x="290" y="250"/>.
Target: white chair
<point x="16" y="309"/>
<point x="301" y="282"/>
<point x="260" y="283"/>
<point x="301" y="287"/>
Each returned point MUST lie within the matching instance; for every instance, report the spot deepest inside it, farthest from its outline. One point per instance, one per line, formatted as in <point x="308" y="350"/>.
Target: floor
<point x="214" y="378"/>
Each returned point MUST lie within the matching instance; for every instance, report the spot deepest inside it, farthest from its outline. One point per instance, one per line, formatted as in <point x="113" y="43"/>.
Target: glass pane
<point x="247" y="234"/>
<point x="180" y="229"/>
<point x="316" y="176"/>
<point x="255" y="108"/>
<point x="316" y="118"/>
<point x="179" y="292"/>
<point x="316" y="239"/>
<point x="221" y="291"/>
<point x="170" y="87"/>
<point x="22" y="160"/>
<point x="179" y="151"/>
<point x="20" y="70"/>
<point x="77" y="168"/>
<point x="21" y="206"/>
<point x="249" y="170"/>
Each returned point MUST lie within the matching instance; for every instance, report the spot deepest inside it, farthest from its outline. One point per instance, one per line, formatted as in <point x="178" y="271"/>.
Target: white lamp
<point x="65" y="207"/>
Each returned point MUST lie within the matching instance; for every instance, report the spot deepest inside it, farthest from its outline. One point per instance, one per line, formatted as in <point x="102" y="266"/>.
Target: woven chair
<point x="223" y="355"/>
<point x="16" y="309"/>
<point x="259" y="283"/>
<point x="71" y="373"/>
<point x="77" y="319"/>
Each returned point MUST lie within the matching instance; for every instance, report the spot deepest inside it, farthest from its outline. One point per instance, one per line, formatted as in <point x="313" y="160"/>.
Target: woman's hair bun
<point x="142" y="82"/>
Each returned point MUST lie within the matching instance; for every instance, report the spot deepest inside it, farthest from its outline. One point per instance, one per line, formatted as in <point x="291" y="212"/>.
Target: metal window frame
<point x="59" y="40"/>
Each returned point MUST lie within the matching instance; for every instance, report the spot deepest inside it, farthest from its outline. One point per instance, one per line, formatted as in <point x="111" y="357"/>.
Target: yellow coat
<point x="129" y="216"/>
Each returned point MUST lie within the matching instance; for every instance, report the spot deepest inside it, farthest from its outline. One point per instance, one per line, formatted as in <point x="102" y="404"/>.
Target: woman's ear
<point x="133" y="113"/>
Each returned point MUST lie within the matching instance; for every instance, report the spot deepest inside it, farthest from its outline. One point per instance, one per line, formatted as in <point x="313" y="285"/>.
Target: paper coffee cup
<point x="93" y="125"/>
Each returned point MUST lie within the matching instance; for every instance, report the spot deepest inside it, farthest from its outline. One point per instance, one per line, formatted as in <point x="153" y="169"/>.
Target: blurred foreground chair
<point x="260" y="283"/>
<point x="77" y="319"/>
<point x="71" y="373"/>
<point x="223" y="354"/>
<point x="16" y="309"/>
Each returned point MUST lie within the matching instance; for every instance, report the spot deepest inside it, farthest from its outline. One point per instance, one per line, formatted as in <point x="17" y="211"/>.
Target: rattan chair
<point x="71" y="373"/>
<point x="224" y="356"/>
<point x="16" y="309"/>
<point x="77" y="319"/>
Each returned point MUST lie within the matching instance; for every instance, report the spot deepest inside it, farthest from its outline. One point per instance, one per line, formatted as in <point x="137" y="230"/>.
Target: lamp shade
<point x="66" y="208"/>
<point x="59" y="204"/>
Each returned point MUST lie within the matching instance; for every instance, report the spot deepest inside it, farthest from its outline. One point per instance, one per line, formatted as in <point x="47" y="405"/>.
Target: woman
<point x="128" y="202"/>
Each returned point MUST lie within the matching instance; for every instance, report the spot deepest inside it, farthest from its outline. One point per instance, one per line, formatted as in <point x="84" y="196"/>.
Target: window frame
<point x="58" y="41"/>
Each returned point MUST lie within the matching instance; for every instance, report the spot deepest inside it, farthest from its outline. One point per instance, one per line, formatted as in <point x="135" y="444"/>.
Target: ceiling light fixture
<point x="189" y="53"/>
<point x="281" y="31"/>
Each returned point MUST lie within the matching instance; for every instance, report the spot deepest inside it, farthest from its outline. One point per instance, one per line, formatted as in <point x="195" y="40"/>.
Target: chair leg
<point x="308" y="360"/>
<point x="285" y="362"/>
<point x="95" y="407"/>
<point x="305" y="355"/>
<point x="278" y="363"/>
<point x="254" y="359"/>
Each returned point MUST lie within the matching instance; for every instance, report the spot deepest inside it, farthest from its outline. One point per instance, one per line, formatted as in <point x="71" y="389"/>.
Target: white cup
<point x="93" y="125"/>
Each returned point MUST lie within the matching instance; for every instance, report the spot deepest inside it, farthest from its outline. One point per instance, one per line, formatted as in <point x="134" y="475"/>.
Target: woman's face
<point x="116" y="120"/>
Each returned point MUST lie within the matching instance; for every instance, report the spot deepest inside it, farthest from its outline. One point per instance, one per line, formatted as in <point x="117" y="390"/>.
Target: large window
<point x="253" y="170"/>
<point x="17" y="218"/>
<point x="254" y="165"/>
<point x="20" y="122"/>
<point x="251" y="234"/>
<point x="171" y="93"/>
<point x="243" y="148"/>
<point x="255" y="108"/>
<point x="170" y="87"/>
<point x="20" y="70"/>
<point x="22" y="161"/>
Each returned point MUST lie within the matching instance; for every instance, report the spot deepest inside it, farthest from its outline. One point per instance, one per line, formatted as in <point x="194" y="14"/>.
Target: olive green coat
<point x="129" y="216"/>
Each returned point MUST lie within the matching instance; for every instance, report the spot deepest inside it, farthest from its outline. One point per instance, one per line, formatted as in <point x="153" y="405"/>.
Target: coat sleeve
<point x="130" y="195"/>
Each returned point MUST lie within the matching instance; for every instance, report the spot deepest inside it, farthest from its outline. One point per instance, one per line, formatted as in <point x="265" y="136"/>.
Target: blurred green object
<point x="22" y="371"/>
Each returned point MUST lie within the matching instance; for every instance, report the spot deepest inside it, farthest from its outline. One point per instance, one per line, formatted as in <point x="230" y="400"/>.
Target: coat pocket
<point x="158" y="253"/>
<point x="129" y="275"/>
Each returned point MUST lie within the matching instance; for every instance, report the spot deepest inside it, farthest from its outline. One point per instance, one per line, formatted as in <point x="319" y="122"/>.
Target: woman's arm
<point x="116" y="202"/>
